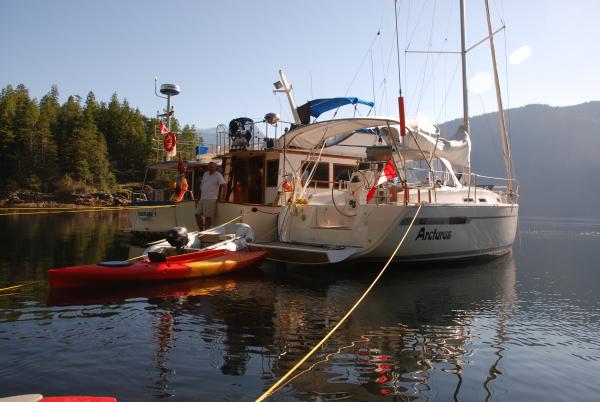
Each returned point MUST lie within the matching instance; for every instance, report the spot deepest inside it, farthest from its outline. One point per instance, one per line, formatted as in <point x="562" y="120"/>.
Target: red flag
<point x="163" y="128"/>
<point x="388" y="173"/>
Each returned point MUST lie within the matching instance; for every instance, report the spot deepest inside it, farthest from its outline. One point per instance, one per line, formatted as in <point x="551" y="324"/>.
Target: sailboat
<point x="463" y="214"/>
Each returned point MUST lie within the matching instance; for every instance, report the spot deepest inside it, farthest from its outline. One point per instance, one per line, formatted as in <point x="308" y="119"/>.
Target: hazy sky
<point x="226" y="54"/>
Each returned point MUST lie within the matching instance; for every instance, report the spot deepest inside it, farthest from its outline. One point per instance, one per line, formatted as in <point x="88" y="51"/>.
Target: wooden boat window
<point x="272" y="172"/>
<point x="320" y="177"/>
<point x="342" y="172"/>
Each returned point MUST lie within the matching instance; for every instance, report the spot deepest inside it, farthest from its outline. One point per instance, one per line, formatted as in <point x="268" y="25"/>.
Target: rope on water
<point x="18" y="286"/>
<point x="90" y="209"/>
<point x="275" y="387"/>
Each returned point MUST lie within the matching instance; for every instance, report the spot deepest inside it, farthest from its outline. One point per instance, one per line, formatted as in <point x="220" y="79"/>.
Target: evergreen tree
<point x="8" y="107"/>
<point x="46" y="150"/>
<point x="92" y="145"/>
<point x="67" y="139"/>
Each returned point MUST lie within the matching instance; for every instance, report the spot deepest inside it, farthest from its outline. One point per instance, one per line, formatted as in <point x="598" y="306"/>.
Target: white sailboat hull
<point x="450" y="232"/>
<point x="440" y="232"/>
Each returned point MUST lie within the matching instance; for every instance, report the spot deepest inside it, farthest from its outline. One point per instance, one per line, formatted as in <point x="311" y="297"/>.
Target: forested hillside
<point x="83" y="144"/>
<point x="555" y="154"/>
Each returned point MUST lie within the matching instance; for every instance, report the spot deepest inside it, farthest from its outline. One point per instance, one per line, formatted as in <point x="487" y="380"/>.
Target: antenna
<point x="167" y="90"/>
<point x="284" y="86"/>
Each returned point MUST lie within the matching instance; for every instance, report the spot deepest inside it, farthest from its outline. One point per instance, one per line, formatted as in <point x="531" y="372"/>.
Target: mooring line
<point x="17" y="286"/>
<point x="91" y="209"/>
<point x="202" y="233"/>
<point x="275" y="387"/>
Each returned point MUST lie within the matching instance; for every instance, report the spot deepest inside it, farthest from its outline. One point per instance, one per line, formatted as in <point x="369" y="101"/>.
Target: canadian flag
<point x="388" y="173"/>
<point x="163" y="128"/>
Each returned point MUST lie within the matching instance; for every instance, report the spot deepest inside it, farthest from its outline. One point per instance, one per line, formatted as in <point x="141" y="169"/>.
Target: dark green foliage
<point x="90" y="147"/>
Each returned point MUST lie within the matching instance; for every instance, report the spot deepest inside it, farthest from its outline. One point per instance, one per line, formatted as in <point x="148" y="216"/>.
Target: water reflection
<point x="413" y="335"/>
<point x="438" y="332"/>
<point x="33" y="243"/>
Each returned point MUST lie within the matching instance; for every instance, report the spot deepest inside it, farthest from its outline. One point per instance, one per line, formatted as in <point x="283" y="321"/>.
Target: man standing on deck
<point x="210" y="189"/>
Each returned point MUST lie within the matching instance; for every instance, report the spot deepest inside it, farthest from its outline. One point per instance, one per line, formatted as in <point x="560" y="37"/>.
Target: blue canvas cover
<point x="316" y="107"/>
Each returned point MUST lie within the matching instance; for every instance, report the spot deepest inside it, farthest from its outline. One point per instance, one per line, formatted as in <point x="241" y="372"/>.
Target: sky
<point x="226" y="54"/>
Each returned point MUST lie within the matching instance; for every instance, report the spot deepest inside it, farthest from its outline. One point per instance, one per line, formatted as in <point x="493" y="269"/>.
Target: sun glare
<point x="520" y="55"/>
<point x="480" y="82"/>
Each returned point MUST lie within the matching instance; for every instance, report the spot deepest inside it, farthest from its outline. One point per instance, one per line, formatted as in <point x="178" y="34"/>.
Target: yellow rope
<point x="11" y="287"/>
<point x="93" y="209"/>
<point x="19" y="285"/>
<point x="276" y="386"/>
<point x="201" y="234"/>
<point x="8" y="208"/>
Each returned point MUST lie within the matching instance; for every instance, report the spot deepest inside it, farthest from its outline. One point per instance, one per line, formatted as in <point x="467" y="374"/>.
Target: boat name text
<point x="433" y="235"/>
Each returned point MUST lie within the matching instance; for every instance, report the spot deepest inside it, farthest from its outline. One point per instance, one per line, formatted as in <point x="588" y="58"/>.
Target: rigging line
<point x="383" y="74"/>
<point x="430" y="45"/>
<point x="398" y="49"/>
<point x="443" y="107"/>
<point x="275" y="387"/>
<point x="409" y="41"/>
<point x="436" y="59"/>
<point x="500" y="11"/>
<point x="487" y="123"/>
<point x="373" y="85"/>
<point x="406" y="46"/>
<point x="507" y="97"/>
<point x="362" y="62"/>
<point x="387" y="71"/>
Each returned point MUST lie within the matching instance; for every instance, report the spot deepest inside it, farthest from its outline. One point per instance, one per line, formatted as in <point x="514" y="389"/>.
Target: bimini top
<point x="311" y="135"/>
<point x="423" y="140"/>
<point x="317" y="107"/>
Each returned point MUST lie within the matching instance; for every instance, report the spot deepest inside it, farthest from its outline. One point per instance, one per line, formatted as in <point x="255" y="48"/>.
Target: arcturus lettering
<point x="433" y="235"/>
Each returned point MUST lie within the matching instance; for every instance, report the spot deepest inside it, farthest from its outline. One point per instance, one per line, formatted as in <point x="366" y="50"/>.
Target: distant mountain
<point x="555" y="153"/>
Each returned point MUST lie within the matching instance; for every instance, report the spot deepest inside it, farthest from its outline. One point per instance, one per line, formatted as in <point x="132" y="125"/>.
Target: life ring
<point x="169" y="142"/>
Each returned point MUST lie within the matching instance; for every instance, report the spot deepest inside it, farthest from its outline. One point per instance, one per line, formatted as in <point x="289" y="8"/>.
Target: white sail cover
<point x="423" y="140"/>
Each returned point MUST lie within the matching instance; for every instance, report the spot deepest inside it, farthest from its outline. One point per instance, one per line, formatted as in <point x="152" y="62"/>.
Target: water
<point x="522" y="327"/>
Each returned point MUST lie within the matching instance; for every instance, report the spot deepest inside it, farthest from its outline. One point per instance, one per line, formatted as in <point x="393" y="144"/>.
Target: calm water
<point x="524" y="327"/>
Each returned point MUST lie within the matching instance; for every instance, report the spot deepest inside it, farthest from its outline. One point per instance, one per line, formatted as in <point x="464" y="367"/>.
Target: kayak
<point x="157" y="267"/>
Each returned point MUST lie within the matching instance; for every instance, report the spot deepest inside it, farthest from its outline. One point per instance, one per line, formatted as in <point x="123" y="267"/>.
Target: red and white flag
<point x="388" y="173"/>
<point x="163" y="129"/>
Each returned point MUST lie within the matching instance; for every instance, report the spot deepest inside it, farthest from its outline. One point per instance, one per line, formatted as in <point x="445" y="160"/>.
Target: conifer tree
<point x="8" y="107"/>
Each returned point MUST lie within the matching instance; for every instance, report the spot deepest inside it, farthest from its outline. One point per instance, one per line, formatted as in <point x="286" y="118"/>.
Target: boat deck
<point x="303" y="253"/>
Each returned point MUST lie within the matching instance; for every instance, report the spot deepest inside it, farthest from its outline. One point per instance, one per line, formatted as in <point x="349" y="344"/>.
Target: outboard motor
<point x="240" y="132"/>
<point x="178" y="238"/>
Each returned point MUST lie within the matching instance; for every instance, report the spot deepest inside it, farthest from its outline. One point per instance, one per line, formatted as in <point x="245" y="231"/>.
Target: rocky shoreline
<point x="29" y="198"/>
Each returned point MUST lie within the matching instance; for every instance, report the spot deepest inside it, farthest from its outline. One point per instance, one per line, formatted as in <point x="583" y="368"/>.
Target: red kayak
<point x="157" y="268"/>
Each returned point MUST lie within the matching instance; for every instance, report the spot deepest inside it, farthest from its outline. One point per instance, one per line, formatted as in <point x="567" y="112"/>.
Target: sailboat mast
<point x="503" y="131"/>
<point x="463" y="54"/>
